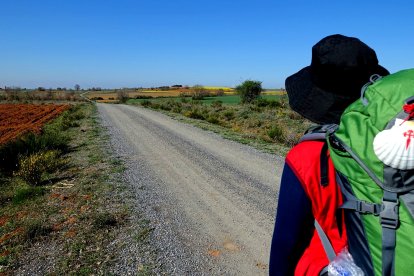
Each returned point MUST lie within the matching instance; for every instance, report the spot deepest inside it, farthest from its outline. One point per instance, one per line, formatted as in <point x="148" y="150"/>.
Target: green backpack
<point x="373" y="153"/>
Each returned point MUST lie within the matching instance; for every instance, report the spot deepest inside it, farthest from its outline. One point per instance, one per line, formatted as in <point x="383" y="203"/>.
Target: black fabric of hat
<point x="340" y="66"/>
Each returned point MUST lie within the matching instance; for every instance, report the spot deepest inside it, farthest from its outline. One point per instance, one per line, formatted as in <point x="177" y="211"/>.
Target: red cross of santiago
<point x="409" y="134"/>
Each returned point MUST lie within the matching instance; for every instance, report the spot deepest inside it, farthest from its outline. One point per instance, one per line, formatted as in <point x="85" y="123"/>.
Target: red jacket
<point x="296" y="247"/>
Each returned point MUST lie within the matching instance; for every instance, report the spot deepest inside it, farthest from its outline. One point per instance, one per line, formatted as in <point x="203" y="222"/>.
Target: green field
<point x="227" y="99"/>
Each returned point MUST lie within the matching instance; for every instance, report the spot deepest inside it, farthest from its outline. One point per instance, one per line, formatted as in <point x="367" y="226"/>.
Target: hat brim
<point x="314" y="103"/>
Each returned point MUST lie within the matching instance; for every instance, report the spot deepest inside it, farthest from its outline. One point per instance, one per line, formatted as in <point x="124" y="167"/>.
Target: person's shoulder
<point x="304" y="160"/>
<point x="305" y="152"/>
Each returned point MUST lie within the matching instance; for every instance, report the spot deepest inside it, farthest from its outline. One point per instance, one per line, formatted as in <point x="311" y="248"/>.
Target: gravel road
<point x="211" y="201"/>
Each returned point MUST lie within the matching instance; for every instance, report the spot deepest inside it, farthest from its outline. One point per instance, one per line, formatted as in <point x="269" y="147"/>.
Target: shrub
<point x="267" y="103"/>
<point x="194" y="114"/>
<point x="184" y="94"/>
<point x="249" y="90"/>
<point x="122" y="96"/>
<point x="199" y="92"/>
<point x="228" y="114"/>
<point x="244" y="113"/>
<point x="146" y="103"/>
<point x="220" y="92"/>
<point x="217" y="104"/>
<point x="36" y="229"/>
<point x="155" y="105"/>
<point x="103" y="220"/>
<point x="276" y="133"/>
<point x="196" y="102"/>
<point x="165" y="106"/>
<point x="143" y="97"/>
<point x="51" y="139"/>
<point x="177" y="109"/>
<point x="213" y="119"/>
<point x="34" y="166"/>
<point x="294" y="116"/>
<point x="183" y="99"/>
<point x="22" y="194"/>
<point x="69" y="121"/>
<point x="291" y="138"/>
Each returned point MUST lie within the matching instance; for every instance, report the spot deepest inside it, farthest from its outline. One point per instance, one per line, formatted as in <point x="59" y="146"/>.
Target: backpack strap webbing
<point x="327" y="246"/>
<point x="319" y="133"/>
<point x="389" y="219"/>
<point x="362" y="207"/>
<point x="388" y="213"/>
<point x="324" y="165"/>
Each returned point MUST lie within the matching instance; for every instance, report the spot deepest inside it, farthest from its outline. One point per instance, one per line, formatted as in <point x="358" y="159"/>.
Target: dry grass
<point x="77" y="210"/>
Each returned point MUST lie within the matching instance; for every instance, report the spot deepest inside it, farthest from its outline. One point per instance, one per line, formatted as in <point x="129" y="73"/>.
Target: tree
<point x="122" y="95"/>
<point x="77" y="87"/>
<point x="220" y="92"/>
<point x="199" y="92"/>
<point x="249" y="90"/>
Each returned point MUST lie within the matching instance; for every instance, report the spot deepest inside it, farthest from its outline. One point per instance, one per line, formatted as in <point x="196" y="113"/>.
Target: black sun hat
<point x="340" y="66"/>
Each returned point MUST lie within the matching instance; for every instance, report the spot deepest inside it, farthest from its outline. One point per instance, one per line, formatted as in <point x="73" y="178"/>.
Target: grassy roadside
<point x="267" y="124"/>
<point x="226" y="100"/>
<point x="69" y="223"/>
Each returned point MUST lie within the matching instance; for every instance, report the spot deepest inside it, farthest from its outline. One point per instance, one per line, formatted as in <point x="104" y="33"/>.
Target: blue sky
<point x="125" y="43"/>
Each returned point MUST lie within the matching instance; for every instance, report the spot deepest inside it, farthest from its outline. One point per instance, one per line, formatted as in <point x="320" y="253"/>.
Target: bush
<point x="36" y="229"/>
<point x="69" y="121"/>
<point x="294" y="116"/>
<point x="228" y="114"/>
<point x="213" y="119"/>
<point x="183" y="99"/>
<point x="166" y="106"/>
<point x="291" y="138"/>
<point x="22" y="194"/>
<point x="196" y="102"/>
<point x="199" y="92"/>
<point x="244" y="113"/>
<point x="122" y="96"/>
<point x="52" y="139"/>
<point x="103" y="220"/>
<point x="216" y="104"/>
<point x="220" y="92"/>
<point x="34" y="166"/>
<point x="184" y="94"/>
<point x="249" y="90"/>
<point x="177" y="109"/>
<point x="276" y="133"/>
<point x="267" y="103"/>
<point x="143" y="97"/>
<point x="146" y="103"/>
<point x="169" y="105"/>
<point x="194" y="114"/>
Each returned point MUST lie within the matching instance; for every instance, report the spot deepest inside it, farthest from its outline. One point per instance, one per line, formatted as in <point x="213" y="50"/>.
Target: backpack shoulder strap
<point x="320" y="132"/>
<point x="327" y="246"/>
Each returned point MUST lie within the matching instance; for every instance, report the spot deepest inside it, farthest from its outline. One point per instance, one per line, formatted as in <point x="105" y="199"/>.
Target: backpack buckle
<point x="389" y="214"/>
<point x="335" y="143"/>
<point x="368" y="208"/>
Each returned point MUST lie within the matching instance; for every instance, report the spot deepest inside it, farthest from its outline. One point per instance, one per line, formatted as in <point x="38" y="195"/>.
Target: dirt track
<point x="211" y="201"/>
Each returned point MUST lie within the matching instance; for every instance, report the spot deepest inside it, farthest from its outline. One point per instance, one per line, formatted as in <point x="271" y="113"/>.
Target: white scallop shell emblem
<point x="395" y="146"/>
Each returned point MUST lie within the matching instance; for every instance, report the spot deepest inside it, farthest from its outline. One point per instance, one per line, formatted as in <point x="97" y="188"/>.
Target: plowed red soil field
<point x="18" y="119"/>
